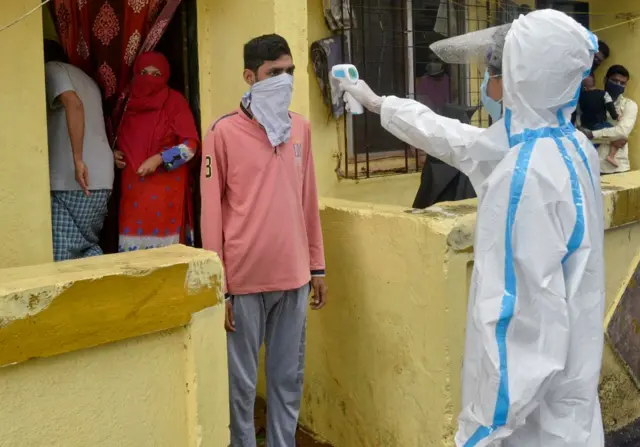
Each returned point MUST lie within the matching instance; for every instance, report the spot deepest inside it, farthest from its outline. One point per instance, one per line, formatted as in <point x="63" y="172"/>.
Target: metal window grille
<point x="388" y="41"/>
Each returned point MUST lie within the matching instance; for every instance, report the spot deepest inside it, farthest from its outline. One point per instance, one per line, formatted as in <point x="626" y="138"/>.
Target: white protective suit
<point x="534" y="334"/>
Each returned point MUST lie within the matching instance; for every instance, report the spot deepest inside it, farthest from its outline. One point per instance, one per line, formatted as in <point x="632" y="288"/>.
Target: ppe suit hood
<point x="547" y="54"/>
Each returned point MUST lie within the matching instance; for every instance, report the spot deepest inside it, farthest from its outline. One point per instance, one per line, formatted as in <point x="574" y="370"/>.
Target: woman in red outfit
<point x="156" y="140"/>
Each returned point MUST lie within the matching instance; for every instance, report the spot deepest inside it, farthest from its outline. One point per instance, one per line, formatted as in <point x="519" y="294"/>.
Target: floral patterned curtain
<point x="104" y="37"/>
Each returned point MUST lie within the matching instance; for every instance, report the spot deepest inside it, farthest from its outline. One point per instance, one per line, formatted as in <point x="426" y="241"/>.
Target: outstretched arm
<point x="416" y="124"/>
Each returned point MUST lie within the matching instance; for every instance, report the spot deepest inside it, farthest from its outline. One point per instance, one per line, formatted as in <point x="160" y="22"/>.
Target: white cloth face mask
<point x="269" y="101"/>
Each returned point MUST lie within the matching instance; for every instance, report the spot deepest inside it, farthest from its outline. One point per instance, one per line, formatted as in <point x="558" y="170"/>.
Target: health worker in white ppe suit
<point x="534" y="334"/>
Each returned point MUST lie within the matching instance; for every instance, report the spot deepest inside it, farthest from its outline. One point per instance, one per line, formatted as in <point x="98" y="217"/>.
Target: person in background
<point x="80" y="159"/>
<point x="156" y="140"/>
<point x="593" y="107"/>
<point x="602" y="55"/>
<point x="260" y="214"/>
<point x="433" y="87"/>
<point x="439" y="182"/>
<point x="615" y="83"/>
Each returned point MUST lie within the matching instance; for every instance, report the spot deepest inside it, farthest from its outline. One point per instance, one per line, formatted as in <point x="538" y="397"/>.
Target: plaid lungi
<point x="76" y="223"/>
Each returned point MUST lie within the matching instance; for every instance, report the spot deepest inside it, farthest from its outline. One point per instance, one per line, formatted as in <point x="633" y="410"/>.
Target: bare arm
<point x="74" y="111"/>
<point x="416" y="124"/>
<point x="446" y="139"/>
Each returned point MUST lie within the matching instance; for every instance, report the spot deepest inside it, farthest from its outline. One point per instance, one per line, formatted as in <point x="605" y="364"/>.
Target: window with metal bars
<point x="579" y="10"/>
<point x="388" y="41"/>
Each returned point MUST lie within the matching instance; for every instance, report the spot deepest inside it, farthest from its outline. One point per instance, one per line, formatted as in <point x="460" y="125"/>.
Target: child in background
<point x="594" y="105"/>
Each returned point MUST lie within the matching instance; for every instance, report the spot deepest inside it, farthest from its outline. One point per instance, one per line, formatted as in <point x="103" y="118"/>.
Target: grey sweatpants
<point x="279" y="320"/>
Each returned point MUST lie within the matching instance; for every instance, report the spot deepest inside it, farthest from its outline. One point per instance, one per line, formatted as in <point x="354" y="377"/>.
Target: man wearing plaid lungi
<point x="81" y="164"/>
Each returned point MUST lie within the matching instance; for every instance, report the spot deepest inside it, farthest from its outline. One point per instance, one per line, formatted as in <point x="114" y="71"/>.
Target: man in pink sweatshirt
<point x="260" y="214"/>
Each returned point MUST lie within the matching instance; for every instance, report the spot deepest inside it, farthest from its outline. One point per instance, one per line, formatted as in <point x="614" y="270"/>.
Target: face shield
<point x="482" y="49"/>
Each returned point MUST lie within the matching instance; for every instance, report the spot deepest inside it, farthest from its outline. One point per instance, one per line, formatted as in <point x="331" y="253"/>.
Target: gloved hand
<point x="362" y="93"/>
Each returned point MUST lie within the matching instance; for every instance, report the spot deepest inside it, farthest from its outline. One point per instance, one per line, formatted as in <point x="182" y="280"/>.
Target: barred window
<point x="388" y="42"/>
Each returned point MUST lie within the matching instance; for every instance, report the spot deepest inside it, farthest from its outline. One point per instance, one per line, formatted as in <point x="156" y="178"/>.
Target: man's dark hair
<point x="603" y="48"/>
<point x="618" y="70"/>
<point x="53" y="52"/>
<point x="269" y="47"/>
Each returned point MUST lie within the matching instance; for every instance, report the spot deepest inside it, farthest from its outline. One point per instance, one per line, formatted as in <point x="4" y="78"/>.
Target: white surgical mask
<point x="269" y="101"/>
<point x="493" y="107"/>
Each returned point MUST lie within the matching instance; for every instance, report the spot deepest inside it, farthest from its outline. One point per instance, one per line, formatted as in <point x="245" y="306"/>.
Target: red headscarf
<point x="153" y="114"/>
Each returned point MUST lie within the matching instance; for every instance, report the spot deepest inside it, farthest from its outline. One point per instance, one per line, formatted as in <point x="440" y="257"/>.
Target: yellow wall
<point x="327" y="133"/>
<point x="397" y="190"/>
<point x="619" y="395"/>
<point x="117" y="351"/>
<point x="128" y="394"/>
<point x="131" y="393"/>
<point x="25" y="219"/>
<point x="384" y="358"/>
<point x="220" y="43"/>
<point x="624" y="42"/>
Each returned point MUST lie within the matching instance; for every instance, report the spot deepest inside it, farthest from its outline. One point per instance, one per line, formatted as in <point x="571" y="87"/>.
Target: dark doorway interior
<point x="179" y="44"/>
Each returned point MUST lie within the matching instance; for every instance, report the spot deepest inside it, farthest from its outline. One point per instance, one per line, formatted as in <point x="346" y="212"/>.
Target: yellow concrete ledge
<point x="621" y="201"/>
<point x="621" y="194"/>
<point x="442" y="218"/>
<point x="51" y="309"/>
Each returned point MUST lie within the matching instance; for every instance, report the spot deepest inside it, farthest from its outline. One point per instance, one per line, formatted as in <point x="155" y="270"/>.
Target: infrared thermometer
<point x="349" y="73"/>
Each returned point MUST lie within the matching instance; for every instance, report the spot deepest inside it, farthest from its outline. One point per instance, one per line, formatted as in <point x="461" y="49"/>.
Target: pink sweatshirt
<point x="260" y="205"/>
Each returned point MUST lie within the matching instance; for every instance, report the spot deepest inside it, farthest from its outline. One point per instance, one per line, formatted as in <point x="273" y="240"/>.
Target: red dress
<point x="156" y="210"/>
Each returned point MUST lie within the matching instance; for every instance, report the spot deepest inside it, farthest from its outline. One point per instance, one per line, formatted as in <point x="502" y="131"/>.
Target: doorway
<point x="179" y="44"/>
